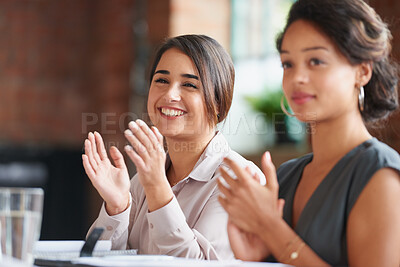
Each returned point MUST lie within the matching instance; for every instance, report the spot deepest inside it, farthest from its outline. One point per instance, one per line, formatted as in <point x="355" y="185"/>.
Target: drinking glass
<point x="20" y="220"/>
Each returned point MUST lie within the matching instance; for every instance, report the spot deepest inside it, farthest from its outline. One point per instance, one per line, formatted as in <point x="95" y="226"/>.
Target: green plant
<point x="268" y="103"/>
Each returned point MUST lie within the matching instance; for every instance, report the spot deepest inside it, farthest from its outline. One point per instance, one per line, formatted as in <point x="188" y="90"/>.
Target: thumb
<point x="117" y="158"/>
<point x="269" y="171"/>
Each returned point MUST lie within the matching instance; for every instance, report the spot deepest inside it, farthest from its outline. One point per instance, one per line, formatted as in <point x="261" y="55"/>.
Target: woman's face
<point x="176" y="103"/>
<point x="318" y="81"/>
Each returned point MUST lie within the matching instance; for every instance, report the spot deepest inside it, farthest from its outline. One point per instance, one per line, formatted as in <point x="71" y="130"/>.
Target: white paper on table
<point x="165" y="261"/>
<point x="69" y="249"/>
<point x="68" y="246"/>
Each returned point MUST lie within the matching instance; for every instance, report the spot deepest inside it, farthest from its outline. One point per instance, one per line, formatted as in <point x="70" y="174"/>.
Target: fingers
<point x="144" y="134"/>
<point x="226" y="191"/>
<point x="137" y="160"/>
<point x="89" y="154"/>
<point x="88" y="167"/>
<point x="224" y="203"/>
<point x="227" y="178"/>
<point x="147" y="131"/>
<point x="95" y="155"/>
<point x="157" y="133"/>
<point x="117" y="158"/>
<point x="144" y="140"/>
<point x="239" y="171"/>
<point x="100" y="146"/>
<point x="140" y="149"/>
<point x="269" y="171"/>
<point x="226" y="185"/>
<point x="255" y="176"/>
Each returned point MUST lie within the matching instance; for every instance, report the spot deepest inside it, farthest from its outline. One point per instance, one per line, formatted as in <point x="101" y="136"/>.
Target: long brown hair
<point x="361" y="36"/>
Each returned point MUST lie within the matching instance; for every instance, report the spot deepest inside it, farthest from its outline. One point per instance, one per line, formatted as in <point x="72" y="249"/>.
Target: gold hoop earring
<point x="284" y="108"/>
<point x="361" y="98"/>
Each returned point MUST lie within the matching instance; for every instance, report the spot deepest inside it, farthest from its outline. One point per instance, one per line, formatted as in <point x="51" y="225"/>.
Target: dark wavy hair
<point x="361" y="36"/>
<point x="215" y="68"/>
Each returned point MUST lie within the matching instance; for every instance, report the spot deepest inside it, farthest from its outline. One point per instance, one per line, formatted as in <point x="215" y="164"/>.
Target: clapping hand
<point x="112" y="182"/>
<point x="249" y="205"/>
<point x="147" y="153"/>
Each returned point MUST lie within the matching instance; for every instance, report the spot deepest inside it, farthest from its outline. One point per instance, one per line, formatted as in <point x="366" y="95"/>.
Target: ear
<point x="364" y="73"/>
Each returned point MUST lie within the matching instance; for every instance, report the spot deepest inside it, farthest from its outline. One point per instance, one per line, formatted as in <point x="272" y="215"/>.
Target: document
<point x="66" y="250"/>
<point x="165" y="261"/>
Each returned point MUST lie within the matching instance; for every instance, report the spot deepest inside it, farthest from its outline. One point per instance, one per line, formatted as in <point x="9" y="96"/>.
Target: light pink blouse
<point x="192" y="225"/>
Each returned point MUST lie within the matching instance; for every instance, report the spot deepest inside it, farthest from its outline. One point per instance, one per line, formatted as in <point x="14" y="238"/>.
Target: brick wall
<point x="64" y="70"/>
<point x="208" y="17"/>
<point x="60" y="60"/>
<point x="389" y="10"/>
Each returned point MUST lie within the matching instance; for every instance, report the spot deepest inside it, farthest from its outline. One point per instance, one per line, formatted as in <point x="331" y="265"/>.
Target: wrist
<point x="117" y="209"/>
<point x="153" y="181"/>
<point x="158" y="196"/>
<point x="270" y="227"/>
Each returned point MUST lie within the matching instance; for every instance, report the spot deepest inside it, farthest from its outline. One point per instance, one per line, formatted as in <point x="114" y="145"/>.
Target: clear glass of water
<point x="20" y="221"/>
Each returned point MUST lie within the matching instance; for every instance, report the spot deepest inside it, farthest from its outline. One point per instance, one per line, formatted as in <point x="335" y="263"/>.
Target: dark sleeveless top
<point x="322" y="223"/>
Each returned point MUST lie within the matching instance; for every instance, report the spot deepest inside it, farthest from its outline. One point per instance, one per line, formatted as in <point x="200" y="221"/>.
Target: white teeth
<point x="171" y="112"/>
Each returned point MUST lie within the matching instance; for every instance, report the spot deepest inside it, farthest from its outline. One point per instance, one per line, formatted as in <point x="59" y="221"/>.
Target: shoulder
<point x="372" y="161"/>
<point x="384" y="184"/>
<point x="378" y="153"/>
<point x="368" y="159"/>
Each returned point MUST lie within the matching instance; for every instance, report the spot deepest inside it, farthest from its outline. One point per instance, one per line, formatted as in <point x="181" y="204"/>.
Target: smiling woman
<point x="171" y="205"/>
<point x="213" y="68"/>
<point x="176" y="103"/>
<point x="337" y="206"/>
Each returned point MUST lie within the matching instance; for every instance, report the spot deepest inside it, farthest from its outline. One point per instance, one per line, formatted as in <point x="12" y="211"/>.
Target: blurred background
<point x="68" y="67"/>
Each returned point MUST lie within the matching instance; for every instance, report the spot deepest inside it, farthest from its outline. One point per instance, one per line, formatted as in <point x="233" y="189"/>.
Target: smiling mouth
<point x="171" y="112"/>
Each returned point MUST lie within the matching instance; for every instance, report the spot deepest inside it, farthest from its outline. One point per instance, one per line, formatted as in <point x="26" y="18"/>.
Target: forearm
<point x="171" y="234"/>
<point x="286" y="246"/>
<point x="158" y="195"/>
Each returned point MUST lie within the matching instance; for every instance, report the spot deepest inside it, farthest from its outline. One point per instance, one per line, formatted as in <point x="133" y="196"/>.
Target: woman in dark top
<point x="338" y="205"/>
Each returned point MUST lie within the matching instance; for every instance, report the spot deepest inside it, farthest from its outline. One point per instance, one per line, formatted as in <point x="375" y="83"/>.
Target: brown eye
<point x="316" y="62"/>
<point x="286" y="65"/>
<point x="160" y="80"/>
<point x="190" y="85"/>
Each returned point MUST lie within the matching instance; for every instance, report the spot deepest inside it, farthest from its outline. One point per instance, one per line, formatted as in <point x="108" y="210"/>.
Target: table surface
<point x="141" y="260"/>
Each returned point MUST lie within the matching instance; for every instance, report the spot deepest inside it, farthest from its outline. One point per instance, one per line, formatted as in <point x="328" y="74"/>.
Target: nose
<point x="173" y="93"/>
<point x="300" y="74"/>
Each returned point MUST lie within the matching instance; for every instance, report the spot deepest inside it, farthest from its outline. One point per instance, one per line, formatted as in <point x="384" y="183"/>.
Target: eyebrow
<point x="307" y="49"/>
<point x="162" y="72"/>
<point x="191" y="76"/>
